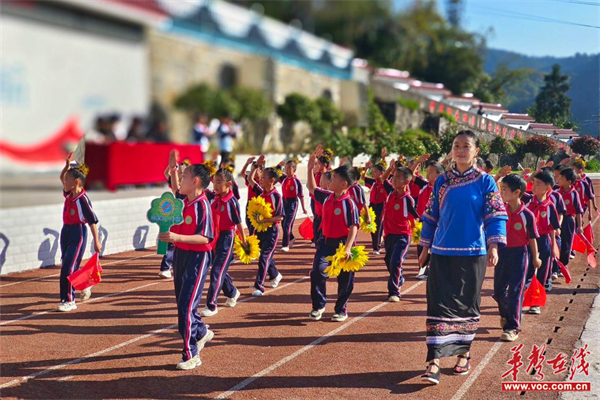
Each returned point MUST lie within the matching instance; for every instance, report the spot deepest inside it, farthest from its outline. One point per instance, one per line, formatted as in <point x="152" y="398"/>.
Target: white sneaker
<point x="339" y="317"/>
<point x="166" y="275"/>
<point x="285" y="249"/>
<point x="67" y="306"/>
<point x="316" y="314"/>
<point x="312" y="245"/>
<point x="207" y="312"/>
<point x="190" y="364"/>
<point x="555" y="276"/>
<point x="257" y="293"/>
<point x="205" y="339"/>
<point x="86" y="294"/>
<point x="232" y="301"/>
<point x="535" y="310"/>
<point x="571" y="256"/>
<point x="394" y="299"/>
<point x="377" y="252"/>
<point x="275" y="282"/>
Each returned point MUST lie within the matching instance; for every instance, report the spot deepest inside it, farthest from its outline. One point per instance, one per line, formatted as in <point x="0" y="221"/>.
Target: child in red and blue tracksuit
<point x="292" y="191"/>
<point x="268" y="238"/>
<point x="194" y="243"/>
<point x="377" y="199"/>
<point x="339" y="226"/>
<point x="251" y="193"/>
<point x="547" y="222"/>
<point x="511" y="271"/>
<point x="572" y="220"/>
<point x="77" y="212"/>
<point x="227" y="216"/>
<point x="398" y="215"/>
<point x="318" y="218"/>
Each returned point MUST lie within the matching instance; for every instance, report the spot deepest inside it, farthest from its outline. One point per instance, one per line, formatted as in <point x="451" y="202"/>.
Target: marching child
<point x="377" y="199"/>
<point x="585" y="189"/>
<point x="226" y="213"/>
<point x="547" y="222"/>
<point x="292" y="191"/>
<point x="434" y="170"/>
<point x="268" y="239"/>
<point x="193" y="240"/>
<point x="572" y="219"/>
<point x="323" y="185"/>
<point x="251" y="193"/>
<point x="398" y="215"/>
<point x="511" y="270"/>
<point x="340" y="225"/>
<point x="77" y="212"/>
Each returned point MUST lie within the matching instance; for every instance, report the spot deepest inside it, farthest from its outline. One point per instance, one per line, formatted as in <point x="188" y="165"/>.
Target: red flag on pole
<point x="88" y="275"/>
<point x="306" y="229"/>
<point x="535" y="295"/>
<point x="589" y="233"/>
<point x="579" y="244"/>
<point x="564" y="270"/>
<point x="590" y="250"/>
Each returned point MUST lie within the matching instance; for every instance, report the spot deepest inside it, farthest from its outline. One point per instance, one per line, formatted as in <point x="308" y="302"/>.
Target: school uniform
<point x="567" y="229"/>
<point x="77" y="212"/>
<point x="424" y="196"/>
<point x="585" y="193"/>
<point x="226" y="214"/>
<point x="377" y="199"/>
<point x="190" y="267"/>
<point x="358" y="195"/>
<point x="415" y="186"/>
<point x="318" y="219"/>
<point x="546" y="220"/>
<point x="251" y="194"/>
<point x="399" y="212"/>
<point x="167" y="261"/>
<point x="559" y="203"/>
<point x="338" y="216"/>
<point x="513" y="263"/>
<point x="292" y="191"/>
<point x="313" y="204"/>
<point x="268" y="238"/>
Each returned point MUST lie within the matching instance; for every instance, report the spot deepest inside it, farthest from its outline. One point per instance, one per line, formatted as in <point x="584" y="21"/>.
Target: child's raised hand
<point x="423" y="158"/>
<point x="368" y="165"/>
<point x="281" y="163"/>
<point x="383" y="153"/>
<point x="526" y="171"/>
<point x="565" y="161"/>
<point x="262" y="160"/>
<point x="550" y="164"/>
<point x="69" y="156"/>
<point x="504" y="171"/>
<point x="173" y="158"/>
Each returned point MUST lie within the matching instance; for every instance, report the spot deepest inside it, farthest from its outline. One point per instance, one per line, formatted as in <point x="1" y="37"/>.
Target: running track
<point x="123" y="342"/>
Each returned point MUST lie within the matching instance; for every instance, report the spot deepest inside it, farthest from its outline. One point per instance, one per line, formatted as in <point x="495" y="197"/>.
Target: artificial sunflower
<point x="367" y="228"/>
<point x="383" y="163"/>
<point x="416" y="232"/>
<point x="258" y="210"/>
<point x="339" y="263"/>
<point x="210" y="167"/>
<point x="248" y="251"/>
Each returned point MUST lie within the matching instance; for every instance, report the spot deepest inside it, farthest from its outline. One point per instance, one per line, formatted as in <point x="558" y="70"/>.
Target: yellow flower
<point x="258" y="210"/>
<point x="582" y="161"/>
<point x="248" y="251"/>
<point x="210" y="166"/>
<point x="367" y="228"/>
<point x="339" y="263"/>
<point x="416" y="232"/>
<point x="383" y="163"/>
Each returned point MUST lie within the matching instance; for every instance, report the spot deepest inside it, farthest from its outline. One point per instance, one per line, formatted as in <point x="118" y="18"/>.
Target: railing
<point x="385" y="92"/>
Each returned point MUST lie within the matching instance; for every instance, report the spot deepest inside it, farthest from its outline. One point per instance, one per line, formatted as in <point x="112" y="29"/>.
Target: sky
<point x="516" y="25"/>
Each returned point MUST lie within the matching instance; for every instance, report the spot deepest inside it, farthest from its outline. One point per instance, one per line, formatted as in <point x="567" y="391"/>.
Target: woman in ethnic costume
<point x="463" y="227"/>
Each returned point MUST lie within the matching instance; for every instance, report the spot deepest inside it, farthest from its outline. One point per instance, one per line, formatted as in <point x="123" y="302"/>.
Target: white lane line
<point x="118" y="346"/>
<point x="306" y="348"/>
<point x="66" y="378"/>
<point x="78" y="360"/>
<point x="464" y="388"/>
<point x="53" y="275"/>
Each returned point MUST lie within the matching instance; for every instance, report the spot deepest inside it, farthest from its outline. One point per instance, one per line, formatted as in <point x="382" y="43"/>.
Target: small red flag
<point x="590" y="250"/>
<point x="579" y="244"/>
<point x="535" y="295"/>
<point x="306" y="229"/>
<point x="88" y="275"/>
<point x="564" y="270"/>
<point x="589" y="233"/>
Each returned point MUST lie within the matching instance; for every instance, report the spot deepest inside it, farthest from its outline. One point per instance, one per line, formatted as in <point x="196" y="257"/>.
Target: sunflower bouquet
<point x="416" y="232"/>
<point x="248" y="251"/>
<point x="339" y="263"/>
<point x="367" y="228"/>
<point x="258" y="210"/>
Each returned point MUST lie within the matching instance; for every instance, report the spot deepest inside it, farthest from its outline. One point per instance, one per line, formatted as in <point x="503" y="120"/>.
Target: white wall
<point x="50" y="73"/>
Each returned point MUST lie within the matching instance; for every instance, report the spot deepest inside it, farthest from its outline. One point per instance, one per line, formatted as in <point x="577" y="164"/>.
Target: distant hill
<point x="583" y="69"/>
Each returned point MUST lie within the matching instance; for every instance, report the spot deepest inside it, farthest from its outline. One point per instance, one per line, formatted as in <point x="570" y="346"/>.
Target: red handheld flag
<point x="589" y="233"/>
<point x="564" y="270"/>
<point x="306" y="229"/>
<point x="578" y="244"/>
<point x="535" y="296"/>
<point x="590" y="250"/>
<point x="88" y="275"/>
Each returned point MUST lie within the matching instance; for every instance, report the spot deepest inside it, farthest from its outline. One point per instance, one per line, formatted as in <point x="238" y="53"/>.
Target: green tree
<point x="552" y="105"/>
<point x="501" y="146"/>
<point x="586" y="146"/>
<point x="253" y="105"/>
<point x="297" y="107"/>
<point x="195" y="99"/>
<point x="493" y="89"/>
<point x="541" y="146"/>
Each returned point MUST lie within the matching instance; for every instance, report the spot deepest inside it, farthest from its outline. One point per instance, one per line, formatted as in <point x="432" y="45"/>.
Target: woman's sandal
<point x="462" y="370"/>
<point x="431" y="377"/>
